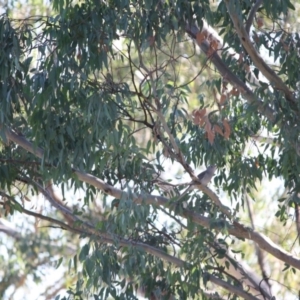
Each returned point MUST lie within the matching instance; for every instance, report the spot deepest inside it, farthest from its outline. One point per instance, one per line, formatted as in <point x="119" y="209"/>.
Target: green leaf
<point x="84" y="252"/>
<point x="59" y="263"/>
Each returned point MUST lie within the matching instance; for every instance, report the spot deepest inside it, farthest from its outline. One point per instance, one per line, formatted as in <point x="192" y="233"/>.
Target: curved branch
<point x="263" y="108"/>
<point x="90" y="230"/>
<point x="256" y="58"/>
<point x="234" y="289"/>
<point x="213" y="37"/>
<point x="23" y="142"/>
<point x="249" y="278"/>
<point x="235" y="229"/>
<point x="123" y="242"/>
<point x="252" y="15"/>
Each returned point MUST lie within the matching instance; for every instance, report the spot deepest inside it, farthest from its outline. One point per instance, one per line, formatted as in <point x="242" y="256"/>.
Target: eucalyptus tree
<point x="123" y="102"/>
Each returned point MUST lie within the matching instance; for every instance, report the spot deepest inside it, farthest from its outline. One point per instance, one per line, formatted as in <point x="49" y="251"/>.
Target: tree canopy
<point x="108" y="112"/>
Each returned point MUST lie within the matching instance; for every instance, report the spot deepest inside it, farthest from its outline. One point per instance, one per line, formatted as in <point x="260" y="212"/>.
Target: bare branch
<point x="213" y="37"/>
<point x="235" y="229"/>
<point x="234" y="289"/>
<point x="256" y="58"/>
<point x="264" y="109"/>
<point x="106" y="238"/>
<point x="23" y="142"/>
<point x="252" y="15"/>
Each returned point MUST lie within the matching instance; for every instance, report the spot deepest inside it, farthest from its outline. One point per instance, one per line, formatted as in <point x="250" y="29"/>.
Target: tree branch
<point x="256" y="58"/>
<point x="252" y="15"/>
<point x="235" y="229"/>
<point x="240" y="271"/>
<point x="213" y="36"/>
<point x="149" y="249"/>
<point x="234" y="289"/>
<point x="263" y="108"/>
<point x="23" y="142"/>
<point x="103" y="236"/>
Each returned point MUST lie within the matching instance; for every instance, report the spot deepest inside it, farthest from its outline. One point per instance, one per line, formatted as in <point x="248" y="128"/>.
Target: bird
<point x="206" y="176"/>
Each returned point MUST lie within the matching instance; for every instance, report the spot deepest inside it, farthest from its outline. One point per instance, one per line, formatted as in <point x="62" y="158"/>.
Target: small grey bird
<point x="206" y="176"/>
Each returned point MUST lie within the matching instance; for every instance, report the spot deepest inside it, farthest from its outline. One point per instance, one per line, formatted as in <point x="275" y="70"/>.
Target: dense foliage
<point x="120" y="103"/>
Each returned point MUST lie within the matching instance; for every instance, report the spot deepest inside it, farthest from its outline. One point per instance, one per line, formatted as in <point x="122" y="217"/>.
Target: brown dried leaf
<point x="199" y="116"/>
<point x="202" y="112"/>
<point x="207" y="125"/>
<point x="211" y="136"/>
<point x="218" y="129"/>
<point x="195" y="113"/>
<point x="196" y="120"/>
<point x="210" y="132"/>
<point x="195" y="117"/>
<point x="203" y="121"/>
<point x="227" y="129"/>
